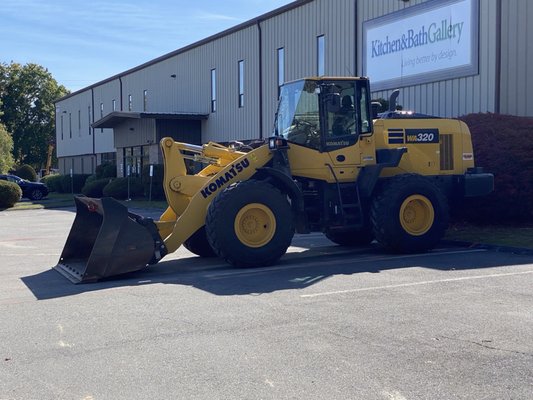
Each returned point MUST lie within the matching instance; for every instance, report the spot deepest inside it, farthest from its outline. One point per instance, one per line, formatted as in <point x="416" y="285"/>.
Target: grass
<point x="513" y="236"/>
<point x="62" y="200"/>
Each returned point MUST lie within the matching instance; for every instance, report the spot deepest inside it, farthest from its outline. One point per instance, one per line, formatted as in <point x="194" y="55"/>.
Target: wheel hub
<point x="255" y="225"/>
<point x="417" y="215"/>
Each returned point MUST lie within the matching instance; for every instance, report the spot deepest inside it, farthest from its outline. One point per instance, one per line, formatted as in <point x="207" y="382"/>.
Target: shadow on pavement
<point x="295" y="271"/>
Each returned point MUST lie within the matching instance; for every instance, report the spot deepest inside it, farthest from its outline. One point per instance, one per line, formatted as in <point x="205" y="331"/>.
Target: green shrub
<point x="106" y="170"/>
<point x="27" y="172"/>
<point x="503" y="145"/>
<point x="53" y="182"/>
<point x="118" y="188"/>
<point x="10" y="193"/>
<point x="95" y="188"/>
<point x="91" y="178"/>
<point x="75" y="183"/>
<point x="158" y="192"/>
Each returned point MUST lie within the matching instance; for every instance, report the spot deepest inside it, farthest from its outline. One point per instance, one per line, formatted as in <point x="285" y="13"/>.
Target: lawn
<point x="513" y="236"/>
<point x="61" y="200"/>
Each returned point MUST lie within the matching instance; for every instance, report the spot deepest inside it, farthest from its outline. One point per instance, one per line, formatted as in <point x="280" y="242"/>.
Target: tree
<point x="6" y="147"/>
<point x="27" y="95"/>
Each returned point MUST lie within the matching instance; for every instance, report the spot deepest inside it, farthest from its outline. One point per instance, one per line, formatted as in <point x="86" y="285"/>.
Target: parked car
<point x="30" y="190"/>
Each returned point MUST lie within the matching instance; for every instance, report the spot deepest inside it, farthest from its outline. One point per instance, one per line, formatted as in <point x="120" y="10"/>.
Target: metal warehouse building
<point x="448" y="57"/>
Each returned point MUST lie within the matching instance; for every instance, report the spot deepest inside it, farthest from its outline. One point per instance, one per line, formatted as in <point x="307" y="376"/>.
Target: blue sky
<point x="84" y="41"/>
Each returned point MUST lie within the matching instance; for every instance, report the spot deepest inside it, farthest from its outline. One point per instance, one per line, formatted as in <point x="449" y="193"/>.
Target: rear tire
<point x="250" y="224"/>
<point x="199" y="245"/>
<point x="410" y="214"/>
<point x="36" y="194"/>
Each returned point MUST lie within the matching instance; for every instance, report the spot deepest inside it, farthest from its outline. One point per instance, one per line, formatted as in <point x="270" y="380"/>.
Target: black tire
<point x="351" y="238"/>
<point x="409" y="214"/>
<point x="250" y="224"/>
<point x="36" y="194"/>
<point x="199" y="245"/>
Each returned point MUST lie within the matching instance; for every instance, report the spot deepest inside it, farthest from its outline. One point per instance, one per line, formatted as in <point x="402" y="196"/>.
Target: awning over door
<point x="118" y="117"/>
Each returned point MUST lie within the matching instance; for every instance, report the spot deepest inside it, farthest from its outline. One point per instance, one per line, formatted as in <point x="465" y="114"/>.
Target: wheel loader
<point x="331" y="166"/>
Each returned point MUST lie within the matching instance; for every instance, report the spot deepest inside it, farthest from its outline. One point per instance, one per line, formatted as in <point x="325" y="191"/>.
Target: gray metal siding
<point x="448" y="98"/>
<point x="139" y="132"/>
<point x="181" y="81"/>
<point x="517" y="58"/>
<point x="81" y="141"/>
<point x="105" y="94"/>
<point x="190" y="89"/>
<point x="297" y="31"/>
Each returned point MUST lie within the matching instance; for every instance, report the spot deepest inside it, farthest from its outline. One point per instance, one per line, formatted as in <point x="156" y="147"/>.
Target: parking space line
<point x="402" y="285"/>
<point x="355" y="260"/>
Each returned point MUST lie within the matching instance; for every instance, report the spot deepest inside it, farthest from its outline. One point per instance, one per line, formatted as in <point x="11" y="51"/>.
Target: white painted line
<point x="401" y="285"/>
<point x="356" y="259"/>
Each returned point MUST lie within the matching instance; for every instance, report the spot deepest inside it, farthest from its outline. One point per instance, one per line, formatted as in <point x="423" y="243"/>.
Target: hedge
<point x="106" y="170"/>
<point x="118" y="188"/>
<point x="53" y="182"/>
<point x="27" y="172"/>
<point x="10" y="194"/>
<point x="503" y="145"/>
<point x="95" y="188"/>
<point x="158" y="192"/>
<point x="73" y="184"/>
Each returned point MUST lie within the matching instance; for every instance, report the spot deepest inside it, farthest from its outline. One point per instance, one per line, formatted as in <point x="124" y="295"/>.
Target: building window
<point x="145" y="100"/>
<point x="114" y="105"/>
<point x="62" y="128"/>
<point x="213" y="90"/>
<point x="89" y="119"/>
<point x="134" y="159"/>
<point x="281" y="68"/>
<point x="70" y="124"/>
<point x="321" y="55"/>
<point x="130" y="102"/>
<point x="101" y="115"/>
<point x="241" y="83"/>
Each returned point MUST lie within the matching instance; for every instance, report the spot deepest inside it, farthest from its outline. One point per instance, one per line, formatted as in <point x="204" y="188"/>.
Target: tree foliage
<point x="27" y="95"/>
<point x="6" y="148"/>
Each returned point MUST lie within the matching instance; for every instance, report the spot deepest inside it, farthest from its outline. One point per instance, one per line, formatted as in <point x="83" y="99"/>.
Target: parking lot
<point x="326" y="323"/>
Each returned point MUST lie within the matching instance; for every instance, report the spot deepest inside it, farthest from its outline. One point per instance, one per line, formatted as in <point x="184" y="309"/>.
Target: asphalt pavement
<point x="325" y="323"/>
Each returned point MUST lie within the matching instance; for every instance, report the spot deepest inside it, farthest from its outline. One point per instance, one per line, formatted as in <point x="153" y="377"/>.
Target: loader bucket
<point x="107" y="240"/>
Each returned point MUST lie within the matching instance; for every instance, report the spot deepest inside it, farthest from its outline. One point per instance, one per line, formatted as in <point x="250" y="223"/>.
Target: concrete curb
<point x="502" y="249"/>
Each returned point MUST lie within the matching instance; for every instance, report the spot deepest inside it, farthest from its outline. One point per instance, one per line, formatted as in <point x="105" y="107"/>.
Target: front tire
<point x="199" y="245"/>
<point x="250" y="224"/>
<point x="410" y="214"/>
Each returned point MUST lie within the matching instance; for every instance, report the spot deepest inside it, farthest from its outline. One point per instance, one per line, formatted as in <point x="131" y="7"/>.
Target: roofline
<point x="229" y="31"/>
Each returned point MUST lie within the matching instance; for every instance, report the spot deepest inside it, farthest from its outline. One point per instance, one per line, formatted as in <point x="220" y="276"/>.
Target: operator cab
<point x="324" y="114"/>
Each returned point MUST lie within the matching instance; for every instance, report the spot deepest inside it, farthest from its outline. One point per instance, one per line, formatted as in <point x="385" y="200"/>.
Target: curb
<point x="501" y="249"/>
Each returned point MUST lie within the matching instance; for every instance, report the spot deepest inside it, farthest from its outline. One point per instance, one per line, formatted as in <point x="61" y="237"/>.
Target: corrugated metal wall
<point x="182" y="82"/>
<point x="73" y="135"/>
<point x="190" y="89"/>
<point x="104" y="95"/>
<point x="297" y="31"/>
<point x="517" y="58"/>
<point x="450" y="98"/>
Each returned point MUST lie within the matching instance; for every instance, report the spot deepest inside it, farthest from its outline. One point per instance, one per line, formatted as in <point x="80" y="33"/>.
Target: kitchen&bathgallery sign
<point x="432" y="41"/>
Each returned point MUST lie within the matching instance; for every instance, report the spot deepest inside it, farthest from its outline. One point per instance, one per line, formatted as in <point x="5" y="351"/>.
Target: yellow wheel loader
<point x="331" y="166"/>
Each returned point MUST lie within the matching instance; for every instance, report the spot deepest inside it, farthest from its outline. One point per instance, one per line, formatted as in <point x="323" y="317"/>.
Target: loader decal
<point x="222" y="180"/>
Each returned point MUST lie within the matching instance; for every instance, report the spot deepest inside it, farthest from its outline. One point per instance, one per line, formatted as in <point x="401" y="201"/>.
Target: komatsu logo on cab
<point x="222" y="180"/>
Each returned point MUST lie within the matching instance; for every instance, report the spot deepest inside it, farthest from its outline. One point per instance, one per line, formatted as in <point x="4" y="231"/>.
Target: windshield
<point x="298" y="114"/>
